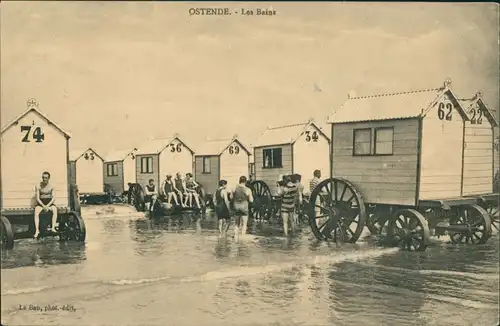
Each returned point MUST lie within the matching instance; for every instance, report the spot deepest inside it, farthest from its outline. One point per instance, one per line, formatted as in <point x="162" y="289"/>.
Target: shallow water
<point x="133" y="271"/>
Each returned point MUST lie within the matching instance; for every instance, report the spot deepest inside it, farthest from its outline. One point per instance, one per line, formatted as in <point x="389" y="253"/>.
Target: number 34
<point x="38" y="135"/>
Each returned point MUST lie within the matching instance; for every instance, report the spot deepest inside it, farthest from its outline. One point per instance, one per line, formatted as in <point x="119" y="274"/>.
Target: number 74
<point x="38" y="135"/>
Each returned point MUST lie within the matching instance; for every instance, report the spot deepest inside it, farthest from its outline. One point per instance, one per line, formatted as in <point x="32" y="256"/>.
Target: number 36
<point x="176" y="148"/>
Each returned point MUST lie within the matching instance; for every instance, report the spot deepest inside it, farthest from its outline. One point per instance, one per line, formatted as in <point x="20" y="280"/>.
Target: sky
<point x="116" y="73"/>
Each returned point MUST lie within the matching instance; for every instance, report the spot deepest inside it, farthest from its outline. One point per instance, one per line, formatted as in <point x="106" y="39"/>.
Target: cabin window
<point x="112" y="169"/>
<point x="384" y="141"/>
<point x="206" y="164"/>
<point x="272" y="158"/>
<point x="362" y="142"/>
<point x="147" y="164"/>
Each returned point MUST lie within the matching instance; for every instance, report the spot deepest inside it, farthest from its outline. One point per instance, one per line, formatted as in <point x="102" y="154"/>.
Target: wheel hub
<point x="334" y="212"/>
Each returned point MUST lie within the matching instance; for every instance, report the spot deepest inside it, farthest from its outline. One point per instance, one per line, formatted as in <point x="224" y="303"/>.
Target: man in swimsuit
<point x="180" y="188"/>
<point x="288" y="194"/>
<point x="312" y="185"/>
<point x="221" y="202"/>
<point x="168" y="190"/>
<point x="191" y="186"/>
<point x="45" y="197"/>
<point x="242" y="196"/>
<point x="151" y="194"/>
<point x="296" y="180"/>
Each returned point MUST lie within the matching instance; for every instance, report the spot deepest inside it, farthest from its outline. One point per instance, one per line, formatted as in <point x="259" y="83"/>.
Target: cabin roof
<point x="410" y="104"/>
<point x="157" y="145"/>
<point x="468" y="105"/>
<point x="118" y="155"/>
<point x="218" y="146"/>
<point x="75" y="154"/>
<point x="35" y="109"/>
<point x="285" y="134"/>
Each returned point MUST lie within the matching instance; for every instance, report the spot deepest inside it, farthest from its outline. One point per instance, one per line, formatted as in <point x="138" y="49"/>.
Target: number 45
<point x="38" y="135"/>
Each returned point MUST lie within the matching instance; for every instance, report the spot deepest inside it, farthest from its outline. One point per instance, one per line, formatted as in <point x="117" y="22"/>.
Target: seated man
<point x="191" y="186"/>
<point x="179" y="187"/>
<point x="151" y="194"/>
<point x="45" y="197"/>
<point x="168" y="190"/>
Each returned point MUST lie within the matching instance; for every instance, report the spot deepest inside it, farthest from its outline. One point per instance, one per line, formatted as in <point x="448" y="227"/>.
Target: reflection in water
<point x="222" y="248"/>
<point x="154" y="272"/>
<point x="43" y="252"/>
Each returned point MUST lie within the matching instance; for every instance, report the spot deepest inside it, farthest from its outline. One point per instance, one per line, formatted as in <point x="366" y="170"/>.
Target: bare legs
<point x="181" y="197"/>
<point x="240" y="223"/>
<point x="288" y="218"/>
<point x="38" y="210"/>
<point x="170" y="196"/>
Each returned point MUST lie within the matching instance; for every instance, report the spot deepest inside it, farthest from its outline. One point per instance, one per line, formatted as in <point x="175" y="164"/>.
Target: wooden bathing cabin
<point x="31" y="145"/>
<point x="297" y="148"/>
<point x="161" y="156"/>
<point x="478" y="154"/>
<point x="226" y="159"/>
<point x="119" y="170"/>
<point x="86" y="171"/>
<point x="401" y="148"/>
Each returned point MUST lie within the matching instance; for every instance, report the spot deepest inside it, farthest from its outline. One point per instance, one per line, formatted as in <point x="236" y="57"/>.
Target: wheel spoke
<point x="330" y="225"/>
<point x="335" y="191"/>
<point x="343" y="192"/>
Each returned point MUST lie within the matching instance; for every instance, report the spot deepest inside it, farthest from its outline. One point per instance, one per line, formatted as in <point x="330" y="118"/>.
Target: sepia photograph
<point x="249" y="163"/>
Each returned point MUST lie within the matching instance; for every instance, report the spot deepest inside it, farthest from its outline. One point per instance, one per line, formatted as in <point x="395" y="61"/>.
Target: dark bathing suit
<point x="288" y="200"/>
<point x="221" y="208"/>
<point x="45" y="194"/>
<point x="149" y="197"/>
<point x="168" y="188"/>
<point x="178" y="184"/>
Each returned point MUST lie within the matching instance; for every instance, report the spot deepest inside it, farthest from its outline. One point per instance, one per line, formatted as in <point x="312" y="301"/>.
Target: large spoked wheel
<point x="408" y="229"/>
<point x="336" y="211"/>
<point x="136" y="197"/>
<point x="261" y="209"/>
<point x="493" y="210"/>
<point x="6" y="233"/>
<point x="478" y="225"/>
<point x="75" y="199"/>
<point x="202" y="199"/>
<point x="376" y="218"/>
<point x="72" y="228"/>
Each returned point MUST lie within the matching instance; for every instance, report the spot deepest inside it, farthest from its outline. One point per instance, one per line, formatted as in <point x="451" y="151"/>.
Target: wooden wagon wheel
<point x="477" y="221"/>
<point x="202" y="198"/>
<point x="136" y="197"/>
<point x="6" y="233"/>
<point x="262" y="206"/>
<point x="336" y="211"/>
<point x="408" y="229"/>
<point x="493" y="210"/>
<point x="72" y="228"/>
<point x="75" y="199"/>
<point x="206" y="199"/>
<point x="376" y="218"/>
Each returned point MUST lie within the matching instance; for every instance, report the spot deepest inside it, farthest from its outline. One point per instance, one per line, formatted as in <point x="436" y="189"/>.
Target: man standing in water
<point x="242" y="196"/>
<point x="312" y="185"/>
<point x="45" y="198"/>
<point x="288" y="195"/>
<point x="221" y="202"/>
